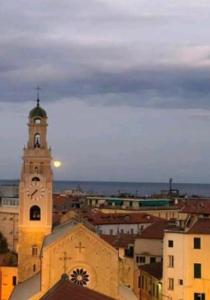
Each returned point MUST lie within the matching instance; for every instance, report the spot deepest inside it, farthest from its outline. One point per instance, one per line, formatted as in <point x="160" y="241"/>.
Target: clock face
<point x="35" y="191"/>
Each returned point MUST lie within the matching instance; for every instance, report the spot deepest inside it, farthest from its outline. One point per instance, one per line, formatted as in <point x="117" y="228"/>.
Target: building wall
<point x="9" y="225"/>
<point x="147" y="287"/>
<point x="148" y="248"/>
<point x="185" y="256"/>
<point x="126" y="271"/>
<point x="7" y="281"/>
<point x="114" y="229"/>
<point x="158" y="212"/>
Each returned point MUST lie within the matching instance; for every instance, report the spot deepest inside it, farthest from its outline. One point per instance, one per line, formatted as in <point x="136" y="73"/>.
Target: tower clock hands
<point x="34" y="192"/>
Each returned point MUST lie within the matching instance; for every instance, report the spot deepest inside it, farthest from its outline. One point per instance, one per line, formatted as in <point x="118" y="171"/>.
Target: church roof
<point x="38" y="111"/>
<point x="66" y="290"/>
<point x="63" y="229"/>
<point x="58" y="232"/>
<point x="27" y="289"/>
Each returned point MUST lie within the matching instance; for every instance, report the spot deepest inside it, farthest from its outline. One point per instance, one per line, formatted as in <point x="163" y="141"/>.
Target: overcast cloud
<point x="106" y="60"/>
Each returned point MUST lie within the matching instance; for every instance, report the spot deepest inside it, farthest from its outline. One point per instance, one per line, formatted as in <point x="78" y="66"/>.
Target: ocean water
<point x="135" y="188"/>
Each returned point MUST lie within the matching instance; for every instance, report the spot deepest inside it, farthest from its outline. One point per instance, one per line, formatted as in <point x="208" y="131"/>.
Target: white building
<point x="118" y="223"/>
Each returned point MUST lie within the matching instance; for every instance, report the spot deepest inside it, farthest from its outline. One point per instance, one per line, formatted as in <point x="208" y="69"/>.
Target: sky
<point x="126" y="85"/>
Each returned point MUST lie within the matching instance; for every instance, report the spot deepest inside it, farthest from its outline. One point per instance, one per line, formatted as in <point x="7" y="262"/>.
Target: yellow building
<point x="35" y="195"/>
<point x="149" y="282"/>
<point x="186" y="257"/>
<point x="8" y="280"/>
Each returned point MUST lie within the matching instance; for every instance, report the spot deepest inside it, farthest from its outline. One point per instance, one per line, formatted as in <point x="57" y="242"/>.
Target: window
<point x="180" y="282"/>
<point x="14" y="280"/>
<point x="170" y="284"/>
<point x="132" y="231"/>
<point x="80" y="277"/>
<point x="170" y="243"/>
<point x="157" y="291"/>
<point x="197" y="270"/>
<point x="170" y="261"/>
<point x="37" y="140"/>
<point x="35" y="179"/>
<point x="199" y="296"/>
<point x="34" y="268"/>
<point x="152" y="259"/>
<point x="153" y="289"/>
<point x="197" y="243"/>
<point x="140" y="259"/>
<point x="141" y="282"/>
<point x="37" y="121"/>
<point x="34" y="250"/>
<point x="35" y="213"/>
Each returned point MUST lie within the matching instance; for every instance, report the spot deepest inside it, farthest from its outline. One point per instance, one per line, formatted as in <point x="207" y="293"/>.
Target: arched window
<point x="37" y="121"/>
<point x="37" y="140"/>
<point x="35" y="179"/>
<point x="35" y="213"/>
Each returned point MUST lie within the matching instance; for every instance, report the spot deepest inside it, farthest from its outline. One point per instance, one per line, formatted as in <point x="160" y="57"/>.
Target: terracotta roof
<point x="66" y="290"/>
<point x="202" y="226"/>
<point x="120" y="240"/>
<point x="197" y="206"/>
<point x="155" y="269"/>
<point x="155" y="230"/>
<point x="98" y="218"/>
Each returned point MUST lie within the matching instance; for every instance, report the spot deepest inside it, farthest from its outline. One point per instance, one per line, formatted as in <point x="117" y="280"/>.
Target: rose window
<point x="80" y="277"/>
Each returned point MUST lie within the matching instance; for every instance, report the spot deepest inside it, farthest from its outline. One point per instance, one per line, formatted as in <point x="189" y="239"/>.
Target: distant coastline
<point x="139" y="189"/>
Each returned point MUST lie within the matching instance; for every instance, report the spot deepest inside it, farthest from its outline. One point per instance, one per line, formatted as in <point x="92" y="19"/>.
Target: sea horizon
<point x="139" y="189"/>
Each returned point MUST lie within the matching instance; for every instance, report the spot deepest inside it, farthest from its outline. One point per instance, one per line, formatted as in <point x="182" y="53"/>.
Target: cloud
<point x="109" y="53"/>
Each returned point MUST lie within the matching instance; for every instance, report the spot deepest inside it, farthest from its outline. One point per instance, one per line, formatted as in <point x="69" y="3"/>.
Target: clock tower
<point x="35" y="194"/>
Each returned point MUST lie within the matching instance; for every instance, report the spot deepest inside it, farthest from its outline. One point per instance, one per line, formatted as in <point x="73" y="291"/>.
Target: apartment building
<point x="186" y="261"/>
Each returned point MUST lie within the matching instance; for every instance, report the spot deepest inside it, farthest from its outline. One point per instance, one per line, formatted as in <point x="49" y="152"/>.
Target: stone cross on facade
<point x="80" y="247"/>
<point x="65" y="258"/>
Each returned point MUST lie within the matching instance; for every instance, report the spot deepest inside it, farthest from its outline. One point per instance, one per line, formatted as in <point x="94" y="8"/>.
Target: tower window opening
<point x="36" y="170"/>
<point x="35" y="213"/>
<point x="34" y="268"/>
<point x="35" y="179"/>
<point x="37" y="121"/>
<point x="37" y="140"/>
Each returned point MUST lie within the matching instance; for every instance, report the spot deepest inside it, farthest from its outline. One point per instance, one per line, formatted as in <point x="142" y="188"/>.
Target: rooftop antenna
<point x="38" y="89"/>
<point x="170" y="185"/>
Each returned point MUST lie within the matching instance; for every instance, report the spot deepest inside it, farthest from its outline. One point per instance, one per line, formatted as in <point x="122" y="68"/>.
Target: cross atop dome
<point x="38" y="89"/>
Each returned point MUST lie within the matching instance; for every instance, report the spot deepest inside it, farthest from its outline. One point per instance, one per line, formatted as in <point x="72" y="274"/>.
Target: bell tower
<point x="35" y="194"/>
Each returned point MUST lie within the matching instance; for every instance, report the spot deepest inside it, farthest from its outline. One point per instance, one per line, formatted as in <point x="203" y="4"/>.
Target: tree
<point x="3" y="244"/>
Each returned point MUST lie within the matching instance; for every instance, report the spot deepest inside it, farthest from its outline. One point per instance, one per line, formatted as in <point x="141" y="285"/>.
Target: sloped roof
<point x="98" y="218"/>
<point x="202" y="226"/>
<point x="59" y="231"/>
<point x="66" y="290"/>
<point x="155" y="230"/>
<point x="154" y="269"/>
<point x="120" y="240"/>
<point x="197" y="206"/>
<point x="27" y="289"/>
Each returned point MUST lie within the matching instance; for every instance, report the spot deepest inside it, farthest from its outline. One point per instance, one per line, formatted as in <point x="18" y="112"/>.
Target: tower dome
<point x="38" y="111"/>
